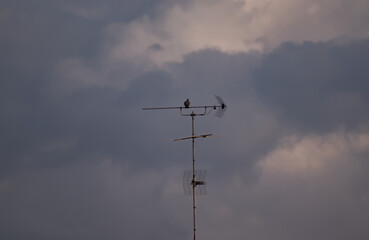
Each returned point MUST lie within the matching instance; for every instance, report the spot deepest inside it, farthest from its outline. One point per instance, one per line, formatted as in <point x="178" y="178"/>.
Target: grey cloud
<point x="156" y="47"/>
<point x="89" y="201"/>
<point x="246" y="124"/>
<point x="36" y="115"/>
<point x="317" y="87"/>
<point x="92" y="122"/>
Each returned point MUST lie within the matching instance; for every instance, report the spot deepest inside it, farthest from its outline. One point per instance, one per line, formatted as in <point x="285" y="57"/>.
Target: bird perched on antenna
<point x="187" y="103"/>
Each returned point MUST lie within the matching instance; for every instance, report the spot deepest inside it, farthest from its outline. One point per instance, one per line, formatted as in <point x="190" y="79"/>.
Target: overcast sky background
<point x="79" y="159"/>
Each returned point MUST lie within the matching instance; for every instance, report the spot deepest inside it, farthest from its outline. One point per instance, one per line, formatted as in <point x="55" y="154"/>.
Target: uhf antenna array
<point x="198" y="176"/>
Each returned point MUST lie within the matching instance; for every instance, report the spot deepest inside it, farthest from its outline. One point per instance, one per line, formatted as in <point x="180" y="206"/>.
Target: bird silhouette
<point x="187" y="103"/>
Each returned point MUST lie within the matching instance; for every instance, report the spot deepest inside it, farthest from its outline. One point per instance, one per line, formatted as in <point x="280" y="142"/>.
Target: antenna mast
<point x="195" y="182"/>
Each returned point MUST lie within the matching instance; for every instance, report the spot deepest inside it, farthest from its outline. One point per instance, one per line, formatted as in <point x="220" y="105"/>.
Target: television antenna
<point x="198" y="176"/>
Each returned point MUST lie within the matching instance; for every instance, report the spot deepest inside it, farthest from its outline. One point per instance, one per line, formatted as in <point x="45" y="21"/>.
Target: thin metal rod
<point x="190" y="137"/>
<point x="157" y="108"/>
<point x="193" y="176"/>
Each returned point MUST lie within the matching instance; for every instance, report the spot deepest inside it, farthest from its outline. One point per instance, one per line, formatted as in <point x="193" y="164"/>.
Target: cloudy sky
<point x="79" y="159"/>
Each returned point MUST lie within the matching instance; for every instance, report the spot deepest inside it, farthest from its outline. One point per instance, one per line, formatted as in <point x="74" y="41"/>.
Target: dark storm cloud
<point x="43" y="126"/>
<point x="317" y="86"/>
<point x="39" y="125"/>
<point x="39" y="33"/>
<point x="90" y="123"/>
<point x="156" y="47"/>
<point x="89" y="201"/>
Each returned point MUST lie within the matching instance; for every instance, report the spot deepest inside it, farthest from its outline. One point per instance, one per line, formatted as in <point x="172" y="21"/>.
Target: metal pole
<point x="193" y="176"/>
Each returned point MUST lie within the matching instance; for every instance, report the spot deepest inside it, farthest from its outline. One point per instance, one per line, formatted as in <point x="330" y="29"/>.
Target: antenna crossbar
<point x="191" y="137"/>
<point x="221" y="108"/>
<point x="162" y="108"/>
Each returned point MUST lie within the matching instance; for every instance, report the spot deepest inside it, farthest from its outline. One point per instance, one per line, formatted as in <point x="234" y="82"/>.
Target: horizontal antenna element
<point x="221" y="108"/>
<point x="191" y="137"/>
